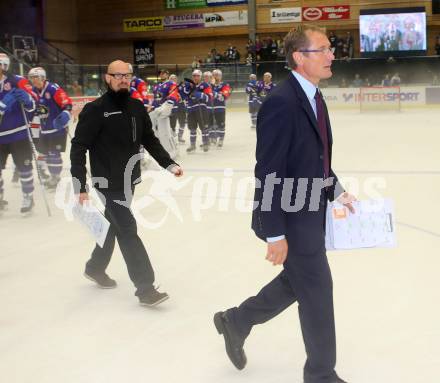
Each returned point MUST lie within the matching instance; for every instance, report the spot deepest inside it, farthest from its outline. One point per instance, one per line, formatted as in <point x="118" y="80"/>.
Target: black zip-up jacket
<point x="112" y="128"/>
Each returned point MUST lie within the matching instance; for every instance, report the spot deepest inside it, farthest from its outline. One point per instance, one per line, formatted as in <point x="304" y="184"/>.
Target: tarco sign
<point x="337" y="12"/>
<point x="142" y="24"/>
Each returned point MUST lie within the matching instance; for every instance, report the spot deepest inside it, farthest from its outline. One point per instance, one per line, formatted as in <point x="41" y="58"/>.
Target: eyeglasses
<point x="120" y="76"/>
<point x="325" y="51"/>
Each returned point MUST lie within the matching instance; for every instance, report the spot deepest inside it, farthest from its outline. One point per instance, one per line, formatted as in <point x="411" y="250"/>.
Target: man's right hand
<point x="83" y="197"/>
<point x="277" y="252"/>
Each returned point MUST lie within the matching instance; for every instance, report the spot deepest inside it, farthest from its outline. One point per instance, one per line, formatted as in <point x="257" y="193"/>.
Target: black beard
<point x="121" y="96"/>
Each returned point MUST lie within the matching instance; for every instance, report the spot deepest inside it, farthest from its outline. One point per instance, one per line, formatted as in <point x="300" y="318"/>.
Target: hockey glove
<point x="200" y="96"/>
<point x="7" y="101"/>
<point x="61" y="120"/>
<point x="220" y="97"/>
<point x="24" y="98"/>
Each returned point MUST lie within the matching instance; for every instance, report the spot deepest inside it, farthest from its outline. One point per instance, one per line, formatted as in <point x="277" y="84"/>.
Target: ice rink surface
<point x="56" y="326"/>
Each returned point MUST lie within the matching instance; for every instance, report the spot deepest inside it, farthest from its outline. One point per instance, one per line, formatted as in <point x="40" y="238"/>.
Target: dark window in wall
<point x="22" y="17"/>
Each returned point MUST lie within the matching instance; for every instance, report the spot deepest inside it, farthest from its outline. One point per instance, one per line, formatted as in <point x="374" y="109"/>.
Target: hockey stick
<point x="34" y="155"/>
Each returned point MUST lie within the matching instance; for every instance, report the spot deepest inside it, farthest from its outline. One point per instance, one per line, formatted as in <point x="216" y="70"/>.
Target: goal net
<point x="379" y="98"/>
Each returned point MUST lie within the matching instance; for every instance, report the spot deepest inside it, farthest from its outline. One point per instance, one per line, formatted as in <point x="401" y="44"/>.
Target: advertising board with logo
<point x="182" y="4"/>
<point x="143" y="52"/>
<point x="285" y="15"/>
<point x="351" y="97"/>
<point x="191" y="20"/>
<point x="142" y="24"/>
<point x="222" y="19"/>
<point x="334" y="12"/>
<point x="213" y="3"/>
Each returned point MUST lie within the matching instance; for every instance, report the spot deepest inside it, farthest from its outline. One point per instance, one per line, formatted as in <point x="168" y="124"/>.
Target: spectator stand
<point x="25" y="49"/>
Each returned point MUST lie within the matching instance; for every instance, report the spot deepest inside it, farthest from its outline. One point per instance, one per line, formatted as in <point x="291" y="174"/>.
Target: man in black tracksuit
<point x="112" y="128"/>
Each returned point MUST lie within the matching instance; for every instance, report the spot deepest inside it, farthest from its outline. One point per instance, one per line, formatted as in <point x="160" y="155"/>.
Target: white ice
<point x="56" y="326"/>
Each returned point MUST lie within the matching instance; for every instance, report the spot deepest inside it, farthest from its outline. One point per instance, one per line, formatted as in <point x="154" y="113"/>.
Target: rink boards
<point x="341" y="98"/>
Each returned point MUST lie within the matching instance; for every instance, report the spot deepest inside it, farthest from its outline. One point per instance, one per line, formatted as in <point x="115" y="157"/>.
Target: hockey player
<point x="207" y="78"/>
<point x="179" y="111"/>
<point x="265" y="87"/>
<point x="221" y="92"/>
<point x="140" y="86"/>
<point x="164" y="75"/>
<point x="54" y="111"/>
<point x="16" y="98"/>
<point x="139" y="91"/>
<point x="136" y="95"/>
<point x="198" y="94"/>
<point x="166" y="95"/>
<point x="254" y="104"/>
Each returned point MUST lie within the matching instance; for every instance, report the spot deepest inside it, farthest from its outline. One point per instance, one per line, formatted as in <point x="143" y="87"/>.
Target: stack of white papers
<point x="93" y="220"/>
<point x="372" y="225"/>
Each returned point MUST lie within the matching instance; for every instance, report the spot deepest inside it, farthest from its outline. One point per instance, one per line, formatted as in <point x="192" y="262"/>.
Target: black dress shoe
<point x="233" y="342"/>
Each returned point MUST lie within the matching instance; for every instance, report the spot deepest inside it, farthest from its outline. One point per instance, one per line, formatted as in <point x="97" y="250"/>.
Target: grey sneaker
<point x="101" y="279"/>
<point x="152" y="298"/>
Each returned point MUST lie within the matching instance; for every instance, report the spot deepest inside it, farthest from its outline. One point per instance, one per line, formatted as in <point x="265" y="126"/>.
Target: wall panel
<point x="92" y="30"/>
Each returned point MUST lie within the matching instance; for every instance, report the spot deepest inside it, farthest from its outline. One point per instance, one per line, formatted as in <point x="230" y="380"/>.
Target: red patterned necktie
<point x="322" y="124"/>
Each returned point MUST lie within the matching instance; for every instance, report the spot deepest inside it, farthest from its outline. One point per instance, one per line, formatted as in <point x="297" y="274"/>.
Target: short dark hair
<point x="297" y="39"/>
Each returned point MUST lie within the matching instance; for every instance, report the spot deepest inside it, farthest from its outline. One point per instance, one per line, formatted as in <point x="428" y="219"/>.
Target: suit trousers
<point x="123" y="227"/>
<point x="305" y="279"/>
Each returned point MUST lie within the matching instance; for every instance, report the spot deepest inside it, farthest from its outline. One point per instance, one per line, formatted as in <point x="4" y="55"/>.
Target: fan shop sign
<point x="142" y="24"/>
<point x="336" y="12"/>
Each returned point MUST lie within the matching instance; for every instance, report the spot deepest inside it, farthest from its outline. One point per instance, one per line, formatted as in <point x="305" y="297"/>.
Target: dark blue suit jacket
<point x="289" y="145"/>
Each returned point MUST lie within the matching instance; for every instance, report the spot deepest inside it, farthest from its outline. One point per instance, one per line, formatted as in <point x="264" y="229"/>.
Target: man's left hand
<point x="176" y="170"/>
<point x="346" y="199"/>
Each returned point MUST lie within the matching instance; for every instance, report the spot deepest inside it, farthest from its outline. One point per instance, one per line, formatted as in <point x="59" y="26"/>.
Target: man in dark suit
<point x="294" y="181"/>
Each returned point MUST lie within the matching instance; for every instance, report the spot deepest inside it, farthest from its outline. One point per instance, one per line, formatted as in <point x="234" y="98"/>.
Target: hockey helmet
<point x="37" y="72"/>
<point x="4" y="61"/>
<point x="217" y="72"/>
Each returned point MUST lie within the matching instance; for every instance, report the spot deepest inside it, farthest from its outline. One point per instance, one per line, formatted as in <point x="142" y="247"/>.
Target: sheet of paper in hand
<point x="93" y="220"/>
<point x="372" y="225"/>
